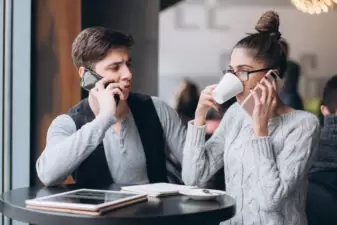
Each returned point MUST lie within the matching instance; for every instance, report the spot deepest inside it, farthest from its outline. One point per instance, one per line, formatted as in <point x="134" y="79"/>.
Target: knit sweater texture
<point x="266" y="175"/>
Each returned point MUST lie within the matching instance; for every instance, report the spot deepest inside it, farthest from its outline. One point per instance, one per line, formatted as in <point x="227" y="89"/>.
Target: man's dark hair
<point x="329" y="94"/>
<point x="265" y="45"/>
<point x="93" y="44"/>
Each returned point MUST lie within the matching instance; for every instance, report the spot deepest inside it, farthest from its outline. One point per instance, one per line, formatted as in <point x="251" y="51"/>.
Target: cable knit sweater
<point x="266" y="175"/>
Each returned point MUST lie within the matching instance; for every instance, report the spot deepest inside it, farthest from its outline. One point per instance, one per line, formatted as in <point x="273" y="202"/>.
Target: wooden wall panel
<point x="55" y="82"/>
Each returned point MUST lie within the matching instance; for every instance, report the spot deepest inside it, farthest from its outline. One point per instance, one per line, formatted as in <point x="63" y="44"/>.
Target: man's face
<point x="115" y="66"/>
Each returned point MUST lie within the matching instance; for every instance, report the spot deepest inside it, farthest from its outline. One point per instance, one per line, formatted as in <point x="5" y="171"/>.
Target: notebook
<point x="85" y="201"/>
<point x="156" y="189"/>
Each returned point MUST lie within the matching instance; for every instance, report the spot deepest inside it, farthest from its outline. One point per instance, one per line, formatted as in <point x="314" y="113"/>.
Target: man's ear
<point x="81" y="71"/>
<point x="325" y="110"/>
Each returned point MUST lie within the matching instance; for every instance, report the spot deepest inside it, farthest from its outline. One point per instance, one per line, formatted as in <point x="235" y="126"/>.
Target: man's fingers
<point x="105" y="82"/>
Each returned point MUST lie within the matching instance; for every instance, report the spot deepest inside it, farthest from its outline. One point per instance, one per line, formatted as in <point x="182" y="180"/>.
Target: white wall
<point x="196" y="52"/>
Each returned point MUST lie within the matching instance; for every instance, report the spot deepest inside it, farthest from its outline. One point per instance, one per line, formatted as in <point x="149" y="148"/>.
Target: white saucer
<point x="201" y="194"/>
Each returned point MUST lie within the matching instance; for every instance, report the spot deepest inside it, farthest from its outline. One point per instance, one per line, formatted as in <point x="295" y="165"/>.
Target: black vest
<point x="94" y="170"/>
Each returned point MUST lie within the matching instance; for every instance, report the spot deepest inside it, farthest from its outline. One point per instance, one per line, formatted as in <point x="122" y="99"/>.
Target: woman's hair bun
<point x="269" y="22"/>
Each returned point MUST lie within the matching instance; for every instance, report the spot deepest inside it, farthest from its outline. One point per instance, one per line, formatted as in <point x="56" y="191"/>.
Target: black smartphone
<point x="90" y="78"/>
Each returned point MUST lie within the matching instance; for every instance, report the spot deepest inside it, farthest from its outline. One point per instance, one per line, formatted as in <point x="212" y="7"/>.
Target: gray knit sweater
<point x="266" y="175"/>
<point x="67" y="147"/>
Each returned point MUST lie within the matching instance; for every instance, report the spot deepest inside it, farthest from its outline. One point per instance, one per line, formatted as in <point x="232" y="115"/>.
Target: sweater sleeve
<point x="174" y="129"/>
<point x="202" y="160"/>
<point x="66" y="148"/>
<point x="280" y="174"/>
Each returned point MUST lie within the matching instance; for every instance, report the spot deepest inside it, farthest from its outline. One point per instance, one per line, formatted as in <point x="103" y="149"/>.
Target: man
<point x="327" y="154"/>
<point x="289" y="92"/>
<point x="322" y="195"/>
<point x="100" y="142"/>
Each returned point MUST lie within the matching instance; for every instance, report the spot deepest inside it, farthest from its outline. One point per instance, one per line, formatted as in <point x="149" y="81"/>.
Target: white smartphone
<point x="249" y="103"/>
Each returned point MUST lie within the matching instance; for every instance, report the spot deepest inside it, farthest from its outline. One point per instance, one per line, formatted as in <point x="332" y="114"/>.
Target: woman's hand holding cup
<point x="206" y="102"/>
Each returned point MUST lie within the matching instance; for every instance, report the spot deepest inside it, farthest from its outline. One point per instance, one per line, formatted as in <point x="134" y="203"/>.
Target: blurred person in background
<point x="322" y="194"/>
<point x="327" y="153"/>
<point x="289" y="92"/>
<point x="101" y="140"/>
<point x="186" y="99"/>
<point x="266" y="156"/>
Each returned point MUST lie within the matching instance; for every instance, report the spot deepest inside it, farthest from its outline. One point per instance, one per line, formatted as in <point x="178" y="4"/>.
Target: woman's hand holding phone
<point x="105" y="96"/>
<point x="264" y="107"/>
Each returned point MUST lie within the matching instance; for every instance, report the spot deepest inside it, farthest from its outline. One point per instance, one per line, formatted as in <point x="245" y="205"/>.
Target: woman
<point x="265" y="157"/>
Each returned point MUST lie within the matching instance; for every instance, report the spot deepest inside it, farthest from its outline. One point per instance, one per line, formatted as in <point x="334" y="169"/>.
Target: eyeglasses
<point x="243" y="75"/>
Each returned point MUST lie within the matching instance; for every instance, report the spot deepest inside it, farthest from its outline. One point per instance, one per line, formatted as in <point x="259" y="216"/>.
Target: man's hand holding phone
<point x="104" y="96"/>
<point x="264" y="107"/>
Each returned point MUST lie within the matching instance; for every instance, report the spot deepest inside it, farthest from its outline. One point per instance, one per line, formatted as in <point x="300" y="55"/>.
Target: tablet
<point x="96" y="201"/>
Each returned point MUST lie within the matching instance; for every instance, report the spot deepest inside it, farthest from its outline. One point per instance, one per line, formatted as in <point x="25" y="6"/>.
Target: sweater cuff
<point x="104" y="122"/>
<point x="263" y="147"/>
<point x="195" y="134"/>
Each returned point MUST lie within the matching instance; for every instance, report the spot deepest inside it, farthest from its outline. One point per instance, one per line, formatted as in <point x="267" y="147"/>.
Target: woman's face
<point x="242" y="64"/>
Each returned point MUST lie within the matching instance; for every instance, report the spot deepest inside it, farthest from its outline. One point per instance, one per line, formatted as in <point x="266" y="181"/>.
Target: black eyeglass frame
<point x="246" y="73"/>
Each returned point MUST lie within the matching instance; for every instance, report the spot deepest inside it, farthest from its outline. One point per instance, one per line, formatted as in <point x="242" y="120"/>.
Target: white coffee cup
<point x="229" y="86"/>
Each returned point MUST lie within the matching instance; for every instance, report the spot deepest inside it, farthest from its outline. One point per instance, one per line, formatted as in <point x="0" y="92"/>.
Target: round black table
<point x="171" y="210"/>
